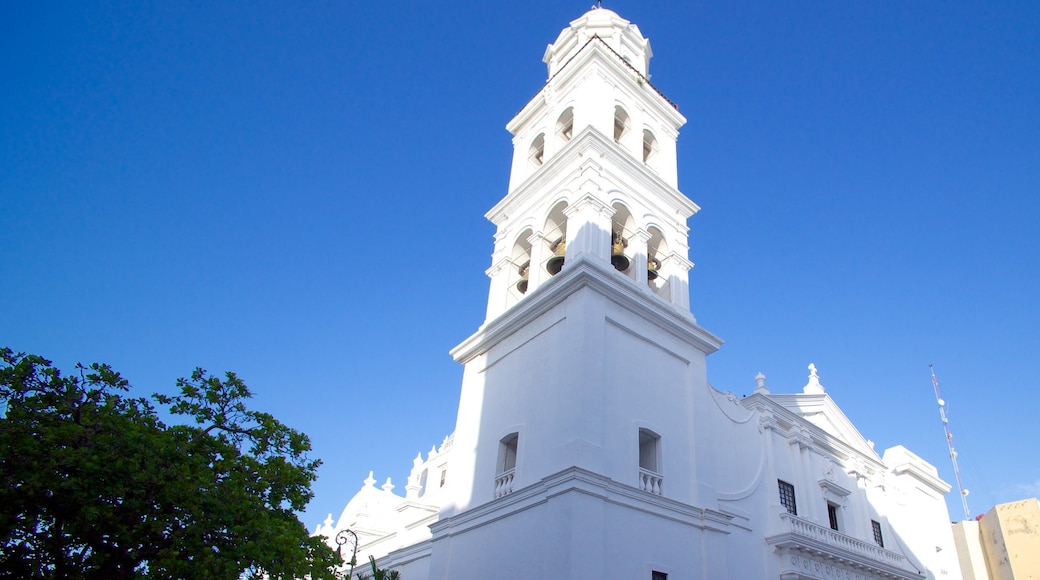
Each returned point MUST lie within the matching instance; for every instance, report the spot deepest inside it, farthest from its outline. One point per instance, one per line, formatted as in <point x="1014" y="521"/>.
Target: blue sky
<point x="296" y="193"/>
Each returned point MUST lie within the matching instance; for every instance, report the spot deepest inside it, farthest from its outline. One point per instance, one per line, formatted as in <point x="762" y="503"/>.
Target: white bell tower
<point x="579" y="398"/>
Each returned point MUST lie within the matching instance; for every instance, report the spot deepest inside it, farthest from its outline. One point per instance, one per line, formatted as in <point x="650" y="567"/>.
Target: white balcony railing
<point x="504" y="483"/>
<point x="800" y="529"/>
<point x="650" y="481"/>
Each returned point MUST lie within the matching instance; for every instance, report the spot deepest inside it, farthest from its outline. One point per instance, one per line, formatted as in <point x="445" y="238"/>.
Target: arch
<point x="656" y="250"/>
<point x="520" y="259"/>
<point x="621" y="229"/>
<point x="649" y="146"/>
<point x="536" y="154"/>
<point x="556" y="236"/>
<point x="621" y="123"/>
<point x="565" y="126"/>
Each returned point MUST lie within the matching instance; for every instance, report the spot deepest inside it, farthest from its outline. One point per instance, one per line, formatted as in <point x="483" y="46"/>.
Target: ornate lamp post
<point x="347" y="538"/>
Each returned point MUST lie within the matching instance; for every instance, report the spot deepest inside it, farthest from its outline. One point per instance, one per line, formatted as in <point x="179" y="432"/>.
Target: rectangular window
<point x="787" y="497"/>
<point x="655" y="575"/>
<point x="877" y="533"/>
<point x="832" y="515"/>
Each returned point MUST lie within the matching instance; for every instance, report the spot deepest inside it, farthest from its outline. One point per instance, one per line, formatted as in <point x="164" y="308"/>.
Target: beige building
<point x="1004" y="544"/>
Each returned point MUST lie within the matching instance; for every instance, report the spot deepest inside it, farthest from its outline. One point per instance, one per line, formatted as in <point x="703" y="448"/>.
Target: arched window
<point x="556" y="236"/>
<point x="649" y="146"/>
<point x="565" y="126"/>
<point x="621" y="122"/>
<point x="537" y="153"/>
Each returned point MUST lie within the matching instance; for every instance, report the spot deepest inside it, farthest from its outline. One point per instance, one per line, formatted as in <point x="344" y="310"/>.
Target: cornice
<point x="583" y="272"/>
<point x="820" y="437"/>
<point x="578" y="480"/>
<point x="628" y="78"/>
<point x="590" y="143"/>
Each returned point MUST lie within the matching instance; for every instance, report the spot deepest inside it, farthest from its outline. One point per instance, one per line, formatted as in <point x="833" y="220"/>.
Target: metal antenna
<point x="949" y="442"/>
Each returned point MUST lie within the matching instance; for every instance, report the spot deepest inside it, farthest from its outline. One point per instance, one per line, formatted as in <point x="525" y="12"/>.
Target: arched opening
<point x="656" y="250"/>
<point x="422" y="482"/>
<point x="520" y="260"/>
<point x="556" y="236"/>
<point x="621" y="122"/>
<point x="621" y="229"/>
<point x="536" y="155"/>
<point x="565" y="126"/>
<point x="649" y="146"/>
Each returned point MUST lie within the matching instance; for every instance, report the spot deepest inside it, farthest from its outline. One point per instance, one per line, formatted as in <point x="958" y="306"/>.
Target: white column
<point x="536" y="274"/>
<point x="639" y="241"/>
<point x="497" y="294"/>
<point x="588" y="228"/>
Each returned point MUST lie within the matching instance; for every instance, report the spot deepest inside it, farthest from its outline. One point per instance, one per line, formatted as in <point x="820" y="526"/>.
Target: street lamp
<point x="347" y="538"/>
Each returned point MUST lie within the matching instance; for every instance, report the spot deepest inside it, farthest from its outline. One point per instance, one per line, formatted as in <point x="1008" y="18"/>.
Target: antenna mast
<point x="949" y="442"/>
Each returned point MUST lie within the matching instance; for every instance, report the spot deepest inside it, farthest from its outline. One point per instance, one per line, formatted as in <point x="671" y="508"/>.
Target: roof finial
<point x="813" y="387"/>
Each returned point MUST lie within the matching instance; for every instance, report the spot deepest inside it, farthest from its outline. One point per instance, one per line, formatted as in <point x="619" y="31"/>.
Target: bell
<point x="617" y="253"/>
<point x="555" y="263"/>
<point x="521" y="286"/>
<point x="652" y="265"/>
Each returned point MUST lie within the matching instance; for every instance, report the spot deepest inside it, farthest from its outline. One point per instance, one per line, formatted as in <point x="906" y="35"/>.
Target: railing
<point x="504" y="483"/>
<point x="650" y="481"/>
<point x="803" y="528"/>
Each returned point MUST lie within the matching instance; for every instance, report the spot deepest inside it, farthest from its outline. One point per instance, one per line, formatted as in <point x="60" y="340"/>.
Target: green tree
<point x="95" y="485"/>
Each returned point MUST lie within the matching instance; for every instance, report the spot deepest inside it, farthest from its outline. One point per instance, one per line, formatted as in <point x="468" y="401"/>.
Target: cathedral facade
<point x="589" y="443"/>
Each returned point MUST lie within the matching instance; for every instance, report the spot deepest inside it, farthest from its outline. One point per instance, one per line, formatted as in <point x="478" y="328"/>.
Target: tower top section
<point x="619" y="34"/>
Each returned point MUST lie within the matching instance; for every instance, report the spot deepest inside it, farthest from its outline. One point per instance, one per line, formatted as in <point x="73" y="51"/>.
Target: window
<point x="648" y="443"/>
<point x="787" y="497"/>
<point x="537" y="153"/>
<point x="649" y="146"/>
<point x="507" y="452"/>
<point x="565" y="126"/>
<point x="877" y="533"/>
<point x="655" y="575"/>
<point x="422" y="482"/>
<point x="620" y="124"/>
<point x="832" y="515"/>
<point x="444" y="474"/>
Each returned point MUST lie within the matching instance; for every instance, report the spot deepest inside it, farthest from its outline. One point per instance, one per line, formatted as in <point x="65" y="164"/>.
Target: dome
<point x="619" y="34"/>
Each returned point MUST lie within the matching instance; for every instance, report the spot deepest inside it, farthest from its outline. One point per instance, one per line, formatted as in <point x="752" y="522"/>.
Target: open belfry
<point x="588" y="443"/>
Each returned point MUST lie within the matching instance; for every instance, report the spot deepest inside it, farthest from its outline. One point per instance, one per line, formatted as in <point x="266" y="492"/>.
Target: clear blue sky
<point x="296" y="193"/>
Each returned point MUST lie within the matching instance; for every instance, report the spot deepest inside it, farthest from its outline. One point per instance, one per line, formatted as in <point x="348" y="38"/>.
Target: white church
<point x="589" y="444"/>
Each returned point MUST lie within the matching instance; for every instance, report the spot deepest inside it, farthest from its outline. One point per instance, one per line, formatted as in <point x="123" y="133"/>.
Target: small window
<point x="655" y="575"/>
<point x="648" y="450"/>
<point x="832" y="516"/>
<point x="620" y="124"/>
<point x="444" y="474"/>
<point x="422" y="482"/>
<point x="565" y="126"/>
<point x="537" y="154"/>
<point x="787" y="497"/>
<point x="649" y="146"/>
<point x="877" y="533"/>
<point x="507" y="452"/>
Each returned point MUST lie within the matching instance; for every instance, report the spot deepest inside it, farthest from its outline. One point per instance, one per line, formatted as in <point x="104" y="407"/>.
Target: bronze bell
<point x="524" y="268"/>
<point x="555" y="263"/>
<point x="652" y="265"/>
<point x="617" y="252"/>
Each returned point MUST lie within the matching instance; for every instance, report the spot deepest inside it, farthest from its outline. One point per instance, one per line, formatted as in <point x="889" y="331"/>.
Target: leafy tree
<point x="95" y="485"/>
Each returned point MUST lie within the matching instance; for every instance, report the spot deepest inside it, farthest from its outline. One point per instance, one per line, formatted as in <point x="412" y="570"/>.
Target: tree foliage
<point x="95" y="485"/>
